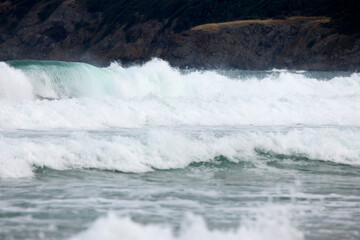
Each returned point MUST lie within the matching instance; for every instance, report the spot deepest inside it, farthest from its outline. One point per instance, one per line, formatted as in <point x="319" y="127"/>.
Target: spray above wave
<point x="165" y="149"/>
<point x="156" y="94"/>
<point x="14" y="84"/>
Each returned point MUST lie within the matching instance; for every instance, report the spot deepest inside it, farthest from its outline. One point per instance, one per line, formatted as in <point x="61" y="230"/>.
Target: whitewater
<point x="154" y="152"/>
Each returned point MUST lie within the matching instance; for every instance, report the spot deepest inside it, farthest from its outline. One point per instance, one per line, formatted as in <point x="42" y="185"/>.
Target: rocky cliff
<point x="72" y="33"/>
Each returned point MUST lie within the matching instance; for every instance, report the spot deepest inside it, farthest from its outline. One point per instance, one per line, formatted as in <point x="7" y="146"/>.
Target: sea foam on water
<point x="265" y="227"/>
<point x="317" y="118"/>
<point x="138" y="151"/>
<point x="154" y="94"/>
<point x="149" y="142"/>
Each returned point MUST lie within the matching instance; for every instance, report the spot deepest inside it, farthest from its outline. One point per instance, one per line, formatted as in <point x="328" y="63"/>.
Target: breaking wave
<point x="88" y="97"/>
<point x="65" y="100"/>
<point x="112" y="227"/>
<point x="132" y="151"/>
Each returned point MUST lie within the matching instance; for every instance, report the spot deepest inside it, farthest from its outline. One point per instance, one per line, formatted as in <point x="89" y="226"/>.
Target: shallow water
<point x="150" y="152"/>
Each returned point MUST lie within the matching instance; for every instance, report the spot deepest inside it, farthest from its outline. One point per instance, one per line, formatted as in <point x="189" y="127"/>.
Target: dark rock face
<point x="71" y="33"/>
<point x="296" y="43"/>
<point x="51" y="39"/>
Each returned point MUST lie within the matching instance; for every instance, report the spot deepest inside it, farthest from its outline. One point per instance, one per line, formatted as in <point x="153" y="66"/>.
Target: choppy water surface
<point x="150" y="152"/>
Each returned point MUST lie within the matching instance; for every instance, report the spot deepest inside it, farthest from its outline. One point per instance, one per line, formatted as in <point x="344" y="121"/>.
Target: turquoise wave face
<point x="155" y="94"/>
<point x="56" y="80"/>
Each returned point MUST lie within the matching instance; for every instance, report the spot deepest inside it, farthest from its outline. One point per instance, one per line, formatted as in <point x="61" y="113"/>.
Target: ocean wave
<point x="264" y="227"/>
<point x="152" y="149"/>
<point x="87" y="97"/>
<point x="56" y="80"/>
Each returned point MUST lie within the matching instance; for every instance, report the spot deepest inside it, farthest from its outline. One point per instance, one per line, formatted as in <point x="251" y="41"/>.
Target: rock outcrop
<point x="71" y="33"/>
<point x="294" y="43"/>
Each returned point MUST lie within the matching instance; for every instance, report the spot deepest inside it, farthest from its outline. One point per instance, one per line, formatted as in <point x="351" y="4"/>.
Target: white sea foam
<point x="14" y="84"/>
<point x="264" y="227"/>
<point x="157" y="78"/>
<point x="168" y="149"/>
<point x="156" y="94"/>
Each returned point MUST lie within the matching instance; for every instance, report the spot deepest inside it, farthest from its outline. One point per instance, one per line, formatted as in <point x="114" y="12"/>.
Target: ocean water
<point x="154" y="152"/>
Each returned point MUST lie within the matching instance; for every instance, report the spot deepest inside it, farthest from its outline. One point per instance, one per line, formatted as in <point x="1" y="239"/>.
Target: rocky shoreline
<point x="68" y="34"/>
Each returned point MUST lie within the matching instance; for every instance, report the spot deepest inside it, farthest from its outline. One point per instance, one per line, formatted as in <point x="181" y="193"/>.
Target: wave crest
<point x="112" y="227"/>
<point x="157" y="78"/>
<point x="131" y="151"/>
<point x="156" y="94"/>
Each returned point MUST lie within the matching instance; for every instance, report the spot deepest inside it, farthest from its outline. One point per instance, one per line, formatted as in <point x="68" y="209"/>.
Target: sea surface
<point x="154" y="152"/>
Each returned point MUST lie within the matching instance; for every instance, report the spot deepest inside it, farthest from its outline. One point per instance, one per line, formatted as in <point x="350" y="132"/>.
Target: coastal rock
<point x="71" y="33"/>
<point x="295" y="43"/>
